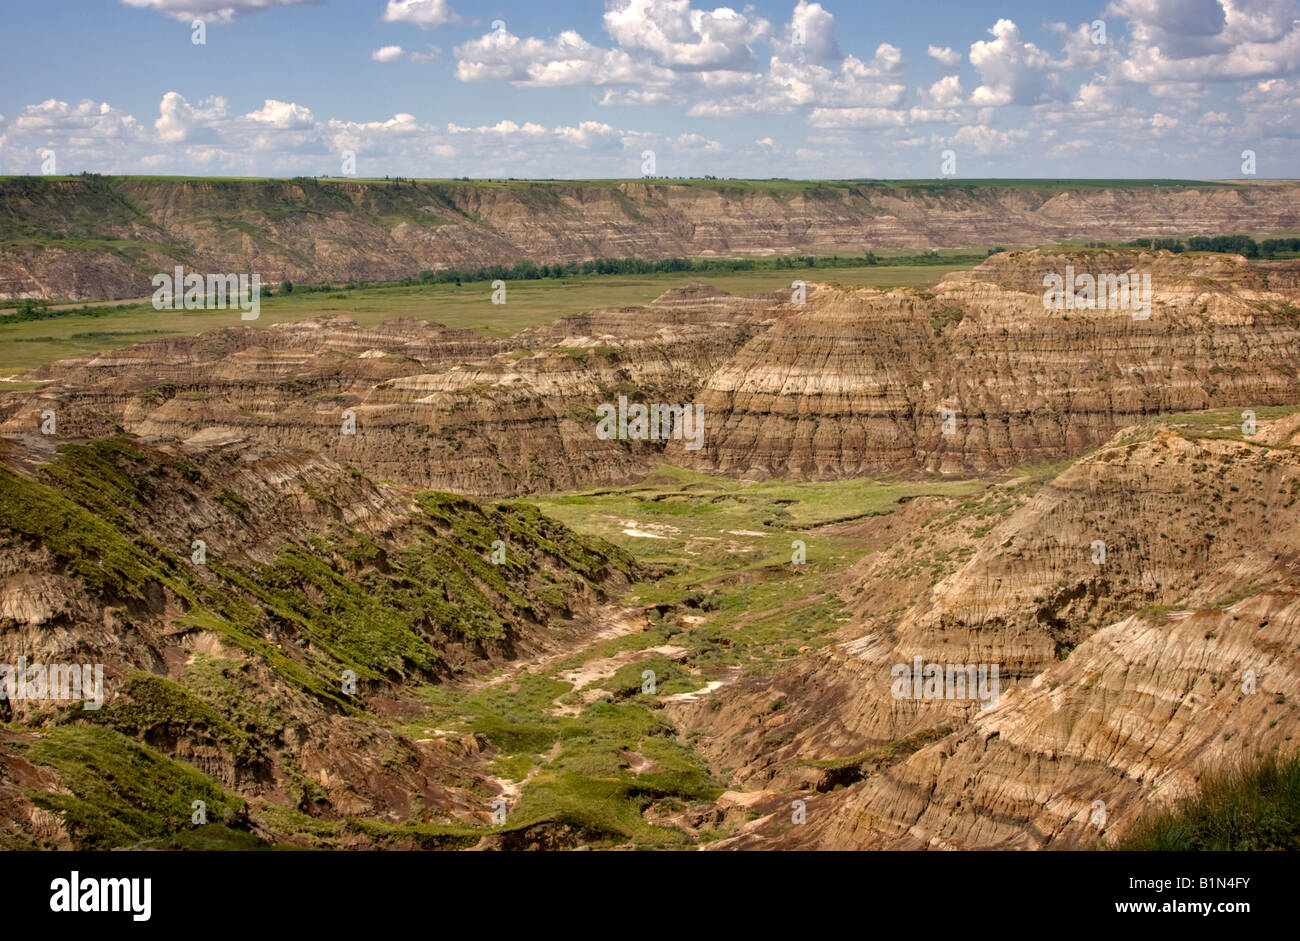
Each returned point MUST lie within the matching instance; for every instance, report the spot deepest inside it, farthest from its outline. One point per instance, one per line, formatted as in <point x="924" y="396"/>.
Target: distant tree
<point x="30" y="309"/>
<point x="1275" y="246"/>
<point x="286" y="287"/>
<point x="1235" y="244"/>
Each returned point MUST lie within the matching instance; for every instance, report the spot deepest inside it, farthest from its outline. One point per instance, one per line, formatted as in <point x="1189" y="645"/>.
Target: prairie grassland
<point x="468" y="306"/>
<point x="723" y="524"/>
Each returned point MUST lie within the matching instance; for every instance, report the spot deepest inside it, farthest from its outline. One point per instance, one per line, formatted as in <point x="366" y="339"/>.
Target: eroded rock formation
<point x="1122" y="682"/>
<point x="343" y="231"/>
<point x="853" y="382"/>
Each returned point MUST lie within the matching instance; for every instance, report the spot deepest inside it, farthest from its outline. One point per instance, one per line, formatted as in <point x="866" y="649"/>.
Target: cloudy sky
<point x="567" y="88"/>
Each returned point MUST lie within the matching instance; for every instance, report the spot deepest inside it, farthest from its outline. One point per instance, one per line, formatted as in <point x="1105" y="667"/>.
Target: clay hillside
<point x="96" y="238"/>
<point x="386" y="586"/>
<point x="850" y="383"/>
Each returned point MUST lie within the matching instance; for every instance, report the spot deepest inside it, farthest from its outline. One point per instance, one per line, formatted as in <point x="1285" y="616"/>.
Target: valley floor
<point x="315" y="642"/>
<point x="664" y="727"/>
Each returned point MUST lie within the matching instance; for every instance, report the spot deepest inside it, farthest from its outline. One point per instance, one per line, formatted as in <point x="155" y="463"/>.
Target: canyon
<point x="949" y="458"/>
<point x="100" y="238"/>
<point x="852" y="382"/>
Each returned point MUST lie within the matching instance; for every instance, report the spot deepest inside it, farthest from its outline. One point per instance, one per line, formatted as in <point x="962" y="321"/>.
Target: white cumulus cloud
<point x="426" y="14"/>
<point x="1012" y="70"/>
<point x="218" y="11"/>
<point x="946" y="57"/>
<point x="676" y="36"/>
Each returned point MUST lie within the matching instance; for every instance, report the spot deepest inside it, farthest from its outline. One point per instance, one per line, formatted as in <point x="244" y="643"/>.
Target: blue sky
<point x="585" y="89"/>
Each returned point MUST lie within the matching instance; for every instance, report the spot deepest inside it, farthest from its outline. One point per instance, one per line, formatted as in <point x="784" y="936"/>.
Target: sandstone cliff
<point x="1123" y="675"/>
<point x="432" y="407"/>
<point x="857" y="382"/>
<point x="854" y="382"/>
<point x="1122" y="682"/>
<point x="100" y="238"/>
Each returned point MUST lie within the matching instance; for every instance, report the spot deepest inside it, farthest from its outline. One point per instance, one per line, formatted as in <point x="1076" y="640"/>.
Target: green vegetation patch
<point x="108" y="560"/>
<point x="124" y="793"/>
<point x="1253" y="807"/>
<point x="591" y="784"/>
<point x="155" y="708"/>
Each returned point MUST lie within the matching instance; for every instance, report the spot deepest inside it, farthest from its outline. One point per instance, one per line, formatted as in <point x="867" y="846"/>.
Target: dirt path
<point x="621" y="622"/>
<point x="582" y="678"/>
<point x="731" y="676"/>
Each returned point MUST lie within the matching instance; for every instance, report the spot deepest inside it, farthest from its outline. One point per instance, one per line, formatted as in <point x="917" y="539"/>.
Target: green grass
<point x="513" y="715"/>
<point x="117" y="564"/>
<point x="1253" y="807"/>
<point x="1219" y="423"/>
<point x="687" y="508"/>
<point x="124" y="793"/>
<point x="228" y="687"/>
<point x="725" y="609"/>
<point x="590" y="785"/>
<point x="384" y="615"/>
<point x="750" y="610"/>
<point x="342" y="600"/>
<point x="467" y="306"/>
<point x="148" y="706"/>
<point x="669" y="678"/>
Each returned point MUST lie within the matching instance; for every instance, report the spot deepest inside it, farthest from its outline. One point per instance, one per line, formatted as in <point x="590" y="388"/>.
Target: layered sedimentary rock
<point x="971" y="377"/>
<point x="412" y="401"/>
<point x="1122" y="680"/>
<point x="860" y="382"/>
<point x="1122" y="599"/>
<point x="228" y="593"/>
<point x="338" y="230"/>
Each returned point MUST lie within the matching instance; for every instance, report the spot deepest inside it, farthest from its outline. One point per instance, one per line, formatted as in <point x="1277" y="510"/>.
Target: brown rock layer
<point x="1120" y="682"/>
<point x="857" y="382"/>
<point x="342" y="231"/>
<point x="853" y="382"/>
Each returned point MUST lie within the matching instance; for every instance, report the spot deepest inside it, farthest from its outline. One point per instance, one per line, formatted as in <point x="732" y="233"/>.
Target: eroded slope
<point x="230" y="595"/>
<point x="1122" y="681"/>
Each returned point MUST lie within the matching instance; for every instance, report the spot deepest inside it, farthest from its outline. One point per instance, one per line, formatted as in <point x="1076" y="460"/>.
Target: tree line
<point x="530" y="271"/>
<point x="1232" y="244"/>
